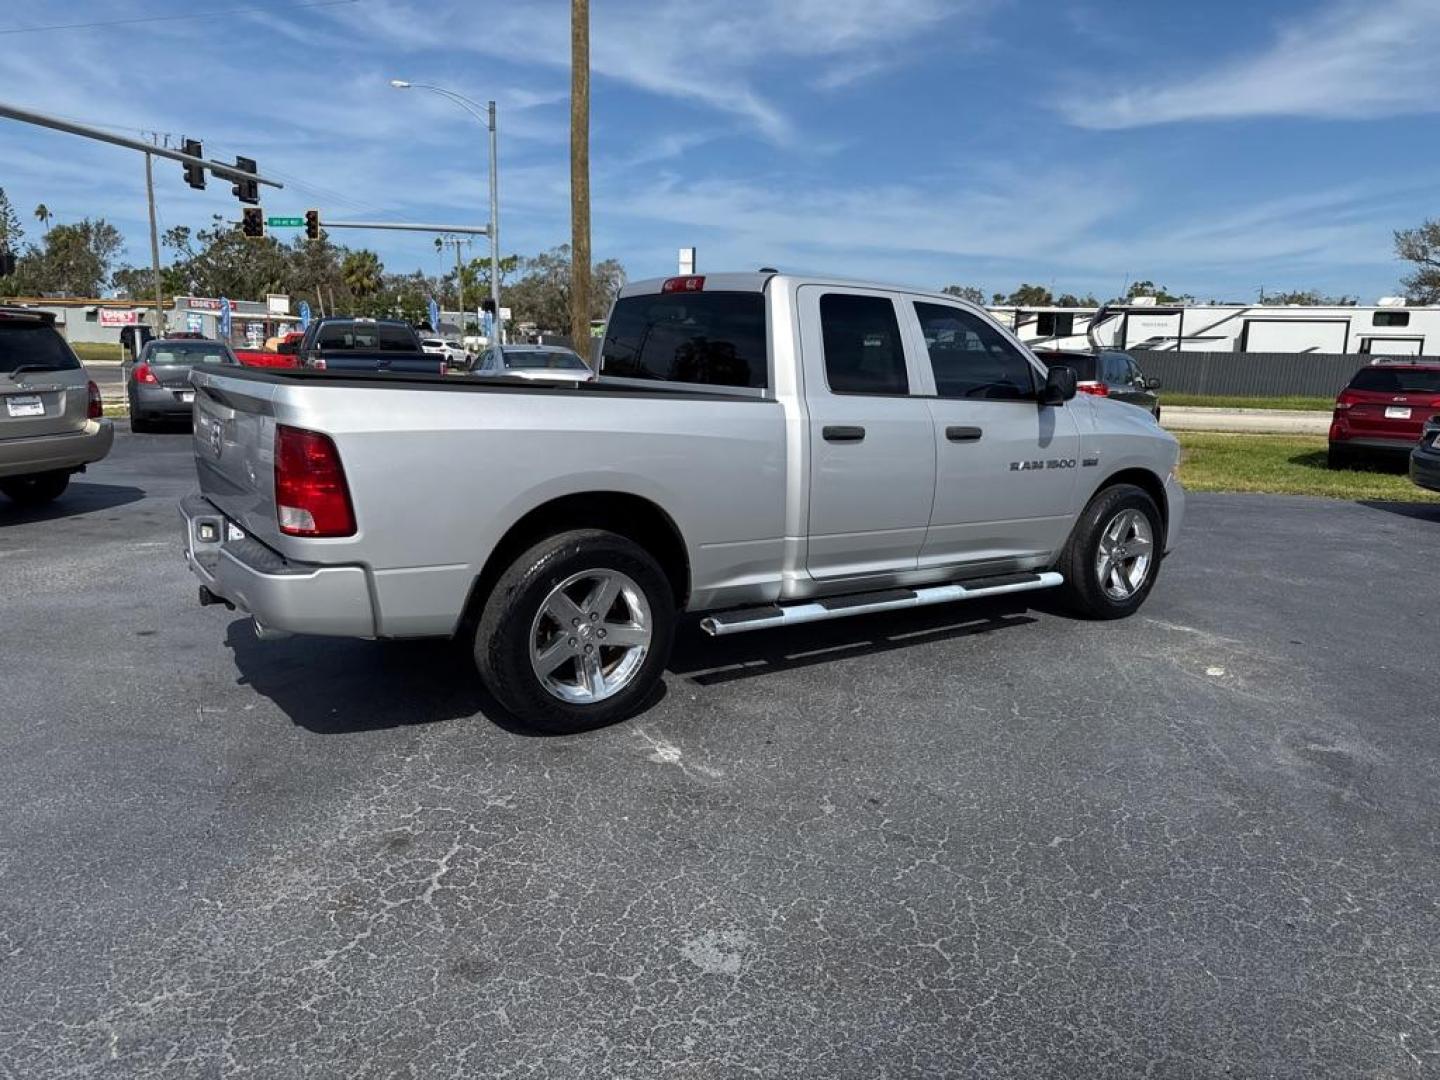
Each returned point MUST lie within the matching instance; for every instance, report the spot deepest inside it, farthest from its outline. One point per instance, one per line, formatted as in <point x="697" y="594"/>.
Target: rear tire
<point x="1338" y="458"/>
<point x="36" y="490"/>
<point x="550" y="608"/>
<point x="1113" y="556"/>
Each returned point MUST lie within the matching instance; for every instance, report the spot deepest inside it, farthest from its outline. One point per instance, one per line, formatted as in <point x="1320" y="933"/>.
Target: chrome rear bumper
<point x="281" y="595"/>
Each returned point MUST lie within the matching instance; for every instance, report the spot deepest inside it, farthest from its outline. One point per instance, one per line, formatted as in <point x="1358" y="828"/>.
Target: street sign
<point x="285" y="222"/>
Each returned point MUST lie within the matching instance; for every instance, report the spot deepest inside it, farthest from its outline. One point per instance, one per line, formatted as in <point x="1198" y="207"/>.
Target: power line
<point x="173" y="18"/>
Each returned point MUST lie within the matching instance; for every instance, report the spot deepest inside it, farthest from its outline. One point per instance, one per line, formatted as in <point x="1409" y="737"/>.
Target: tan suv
<point x="51" y="422"/>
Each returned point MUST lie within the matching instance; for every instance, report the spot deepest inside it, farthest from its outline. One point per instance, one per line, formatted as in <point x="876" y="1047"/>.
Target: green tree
<point x="1308" y="298"/>
<point x="362" y="273"/>
<point x="542" y="293"/>
<point x="1421" y="246"/>
<point x="1027" y="296"/>
<point x="1161" y="294"/>
<point x="75" y="260"/>
<point x="1071" y="300"/>
<point x="965" y="292"/>
<point x="11" y="234"/>
<point x="43" y="215"/>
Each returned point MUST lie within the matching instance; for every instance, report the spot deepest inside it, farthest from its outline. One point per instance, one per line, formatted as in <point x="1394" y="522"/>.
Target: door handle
<point x="843" y="433"/>
<point x="963" y="434"/>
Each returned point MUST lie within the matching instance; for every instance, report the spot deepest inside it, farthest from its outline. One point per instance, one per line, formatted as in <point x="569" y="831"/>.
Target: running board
<point x="842" y="607"/>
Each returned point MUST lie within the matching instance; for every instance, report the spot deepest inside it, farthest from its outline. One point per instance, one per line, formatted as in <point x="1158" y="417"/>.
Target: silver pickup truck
<point x="763" y="449"/>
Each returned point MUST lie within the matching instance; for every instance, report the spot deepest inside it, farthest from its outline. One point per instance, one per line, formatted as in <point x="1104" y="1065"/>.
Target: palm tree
<point x="362" y="272"/>
<point x="43" y="215"/>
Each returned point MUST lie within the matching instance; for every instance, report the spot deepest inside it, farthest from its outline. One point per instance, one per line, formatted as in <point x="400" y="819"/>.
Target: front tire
<point x="36" y="490"/>
<point x="576" y="632"/>
<point x="1113" y="556"/>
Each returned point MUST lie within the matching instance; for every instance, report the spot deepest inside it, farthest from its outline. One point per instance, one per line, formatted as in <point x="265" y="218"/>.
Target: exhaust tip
<point x="265" y="633"/>
<point x="710" y="626"/>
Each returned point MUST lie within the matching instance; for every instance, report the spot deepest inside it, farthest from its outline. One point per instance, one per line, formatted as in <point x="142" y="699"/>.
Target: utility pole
<point x="154" y="244"/>
<point x="580" y="176"/>
<point x="499" y="333"/>
<point x="459" y="276"/>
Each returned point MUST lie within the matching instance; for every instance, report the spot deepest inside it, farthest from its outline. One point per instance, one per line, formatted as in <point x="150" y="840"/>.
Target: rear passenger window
<point x="712" y="338"/>
<point x="971" y="359"/>
<point x="863" y="350"/>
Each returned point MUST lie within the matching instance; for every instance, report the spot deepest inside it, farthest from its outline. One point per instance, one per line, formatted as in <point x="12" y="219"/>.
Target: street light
<point x="487" y="117"/>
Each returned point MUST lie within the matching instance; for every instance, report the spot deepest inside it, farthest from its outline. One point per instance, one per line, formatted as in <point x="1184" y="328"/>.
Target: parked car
<point x="1425" y="458"/>
<point x="552" y="362"/>
<point x="52" y="423"/>
<point x="1383" y="409"/>
<point x="157" y="384"/>
<point x="1108" y="373"/>
<point x="765" y="449"/>
<point x="344" y="343"/>
<point x="279" y="351"/>
<point x="455" y="354"/>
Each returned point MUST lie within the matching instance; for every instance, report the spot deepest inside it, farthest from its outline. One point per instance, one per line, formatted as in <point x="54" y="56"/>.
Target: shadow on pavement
<point x="337" y="686"/>
<point x="1420" y="511"/>
<point x="79" y="498"/>
<point x="707" y="661"/>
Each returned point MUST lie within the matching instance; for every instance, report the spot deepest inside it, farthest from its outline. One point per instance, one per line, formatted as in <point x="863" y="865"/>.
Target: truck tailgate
<point x="235" y="449"/>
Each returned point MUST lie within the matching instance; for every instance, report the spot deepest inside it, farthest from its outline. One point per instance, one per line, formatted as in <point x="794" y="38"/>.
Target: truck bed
<point x="441" y="467"/>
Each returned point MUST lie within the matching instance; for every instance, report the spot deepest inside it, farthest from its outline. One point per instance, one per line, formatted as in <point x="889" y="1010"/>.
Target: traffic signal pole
<point x="154" y="249"/>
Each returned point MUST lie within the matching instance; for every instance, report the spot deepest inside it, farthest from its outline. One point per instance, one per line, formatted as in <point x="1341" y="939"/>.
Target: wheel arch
<point x="1146" y="481"/>
<point x="632" y="516"/>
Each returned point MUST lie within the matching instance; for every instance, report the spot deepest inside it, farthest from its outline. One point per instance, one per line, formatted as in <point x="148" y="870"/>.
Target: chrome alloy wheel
<point x="591" y="636"/>
<point x="1127" y="547"/>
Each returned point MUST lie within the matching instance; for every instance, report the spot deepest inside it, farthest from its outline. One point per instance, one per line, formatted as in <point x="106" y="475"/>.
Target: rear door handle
<point x="843" y="433"/>
<point x="963" y="434"/>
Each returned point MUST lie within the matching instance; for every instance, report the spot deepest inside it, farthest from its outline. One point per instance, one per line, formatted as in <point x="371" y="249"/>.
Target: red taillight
<point x="144" y="374"/>
<point x="311" y="496"/>
<point x="1099" y="389"/>
<point x="689" y="283"/>
<point x="1344" y="401"/>
<point x="96" y="408"/>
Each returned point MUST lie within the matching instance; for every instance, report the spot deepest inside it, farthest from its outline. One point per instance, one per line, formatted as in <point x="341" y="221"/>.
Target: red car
<point x="283" y="356"/>
<point x="1384" y="409"/>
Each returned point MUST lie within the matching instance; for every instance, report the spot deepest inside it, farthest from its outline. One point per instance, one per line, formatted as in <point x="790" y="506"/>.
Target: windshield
<point x="185" y="353"/>
<point x="556" y="359"/>
<point x="35" y="346"/>
<point x="1397" y="380"/>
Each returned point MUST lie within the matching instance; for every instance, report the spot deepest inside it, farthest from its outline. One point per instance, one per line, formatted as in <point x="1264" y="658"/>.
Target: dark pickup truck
<point x="353" y="344"/>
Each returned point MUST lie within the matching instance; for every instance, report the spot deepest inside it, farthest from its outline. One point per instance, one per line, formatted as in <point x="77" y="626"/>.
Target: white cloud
<point x="1351" y="60"/>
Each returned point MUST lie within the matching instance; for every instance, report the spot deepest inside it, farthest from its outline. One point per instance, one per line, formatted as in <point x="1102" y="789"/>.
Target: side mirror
<point x="1059" y="385"/>
<point x="1152" y="384"/>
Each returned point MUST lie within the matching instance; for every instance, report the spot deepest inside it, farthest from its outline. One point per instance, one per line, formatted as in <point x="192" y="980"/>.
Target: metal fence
<point x="1252" y="374"/>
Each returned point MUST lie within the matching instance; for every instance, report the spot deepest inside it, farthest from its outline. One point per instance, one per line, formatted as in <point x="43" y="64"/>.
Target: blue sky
<point x="1211" y="147"/>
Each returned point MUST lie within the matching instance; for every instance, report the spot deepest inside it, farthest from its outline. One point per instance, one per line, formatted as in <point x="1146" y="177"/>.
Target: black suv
<point x="1108" y="373"/>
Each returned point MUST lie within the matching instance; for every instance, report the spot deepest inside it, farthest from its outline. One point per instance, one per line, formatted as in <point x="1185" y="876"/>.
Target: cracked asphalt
<point x="983" y="841"/>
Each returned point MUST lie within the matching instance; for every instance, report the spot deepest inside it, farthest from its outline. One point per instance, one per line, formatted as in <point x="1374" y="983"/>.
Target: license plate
<point x="187" y="395"/>
<point x="24" y="406"/>
<point x="1397" y="412"/>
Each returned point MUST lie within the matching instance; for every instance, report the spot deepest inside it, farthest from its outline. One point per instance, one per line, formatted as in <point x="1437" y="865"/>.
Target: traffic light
<point x="194" y="174"/>
<point x="252" y="222"/>
<point x="312" y="224"/>
<point x="247" y="191"/>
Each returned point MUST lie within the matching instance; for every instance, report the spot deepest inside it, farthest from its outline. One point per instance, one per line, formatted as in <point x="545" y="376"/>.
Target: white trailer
<point x="1387" y="329"/>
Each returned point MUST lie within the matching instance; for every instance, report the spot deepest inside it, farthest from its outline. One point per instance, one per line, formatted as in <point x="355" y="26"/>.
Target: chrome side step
<point x="842" y="607"/>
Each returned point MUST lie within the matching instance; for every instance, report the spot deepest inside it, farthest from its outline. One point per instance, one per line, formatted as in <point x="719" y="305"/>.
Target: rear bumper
<point x="281" y="595"/>
<point x="163" y="400"/>
<point x="68" y="450"/>
<point x="1425" y="469"/>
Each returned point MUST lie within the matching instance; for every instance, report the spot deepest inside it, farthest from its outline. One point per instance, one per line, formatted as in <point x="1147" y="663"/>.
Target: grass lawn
<point x="97" y="350"/>
<point x="1221" y="401"/>
<point x="1288" y="465"/>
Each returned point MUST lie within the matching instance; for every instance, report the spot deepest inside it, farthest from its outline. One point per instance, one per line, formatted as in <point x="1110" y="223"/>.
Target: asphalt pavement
<point x="974" y="841"/>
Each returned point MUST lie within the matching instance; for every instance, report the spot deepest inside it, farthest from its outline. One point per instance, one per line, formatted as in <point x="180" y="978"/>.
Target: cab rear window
<point x="35" y="346"/>
<point x="711" y="338"/>
<point x="1397" y="380"/>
